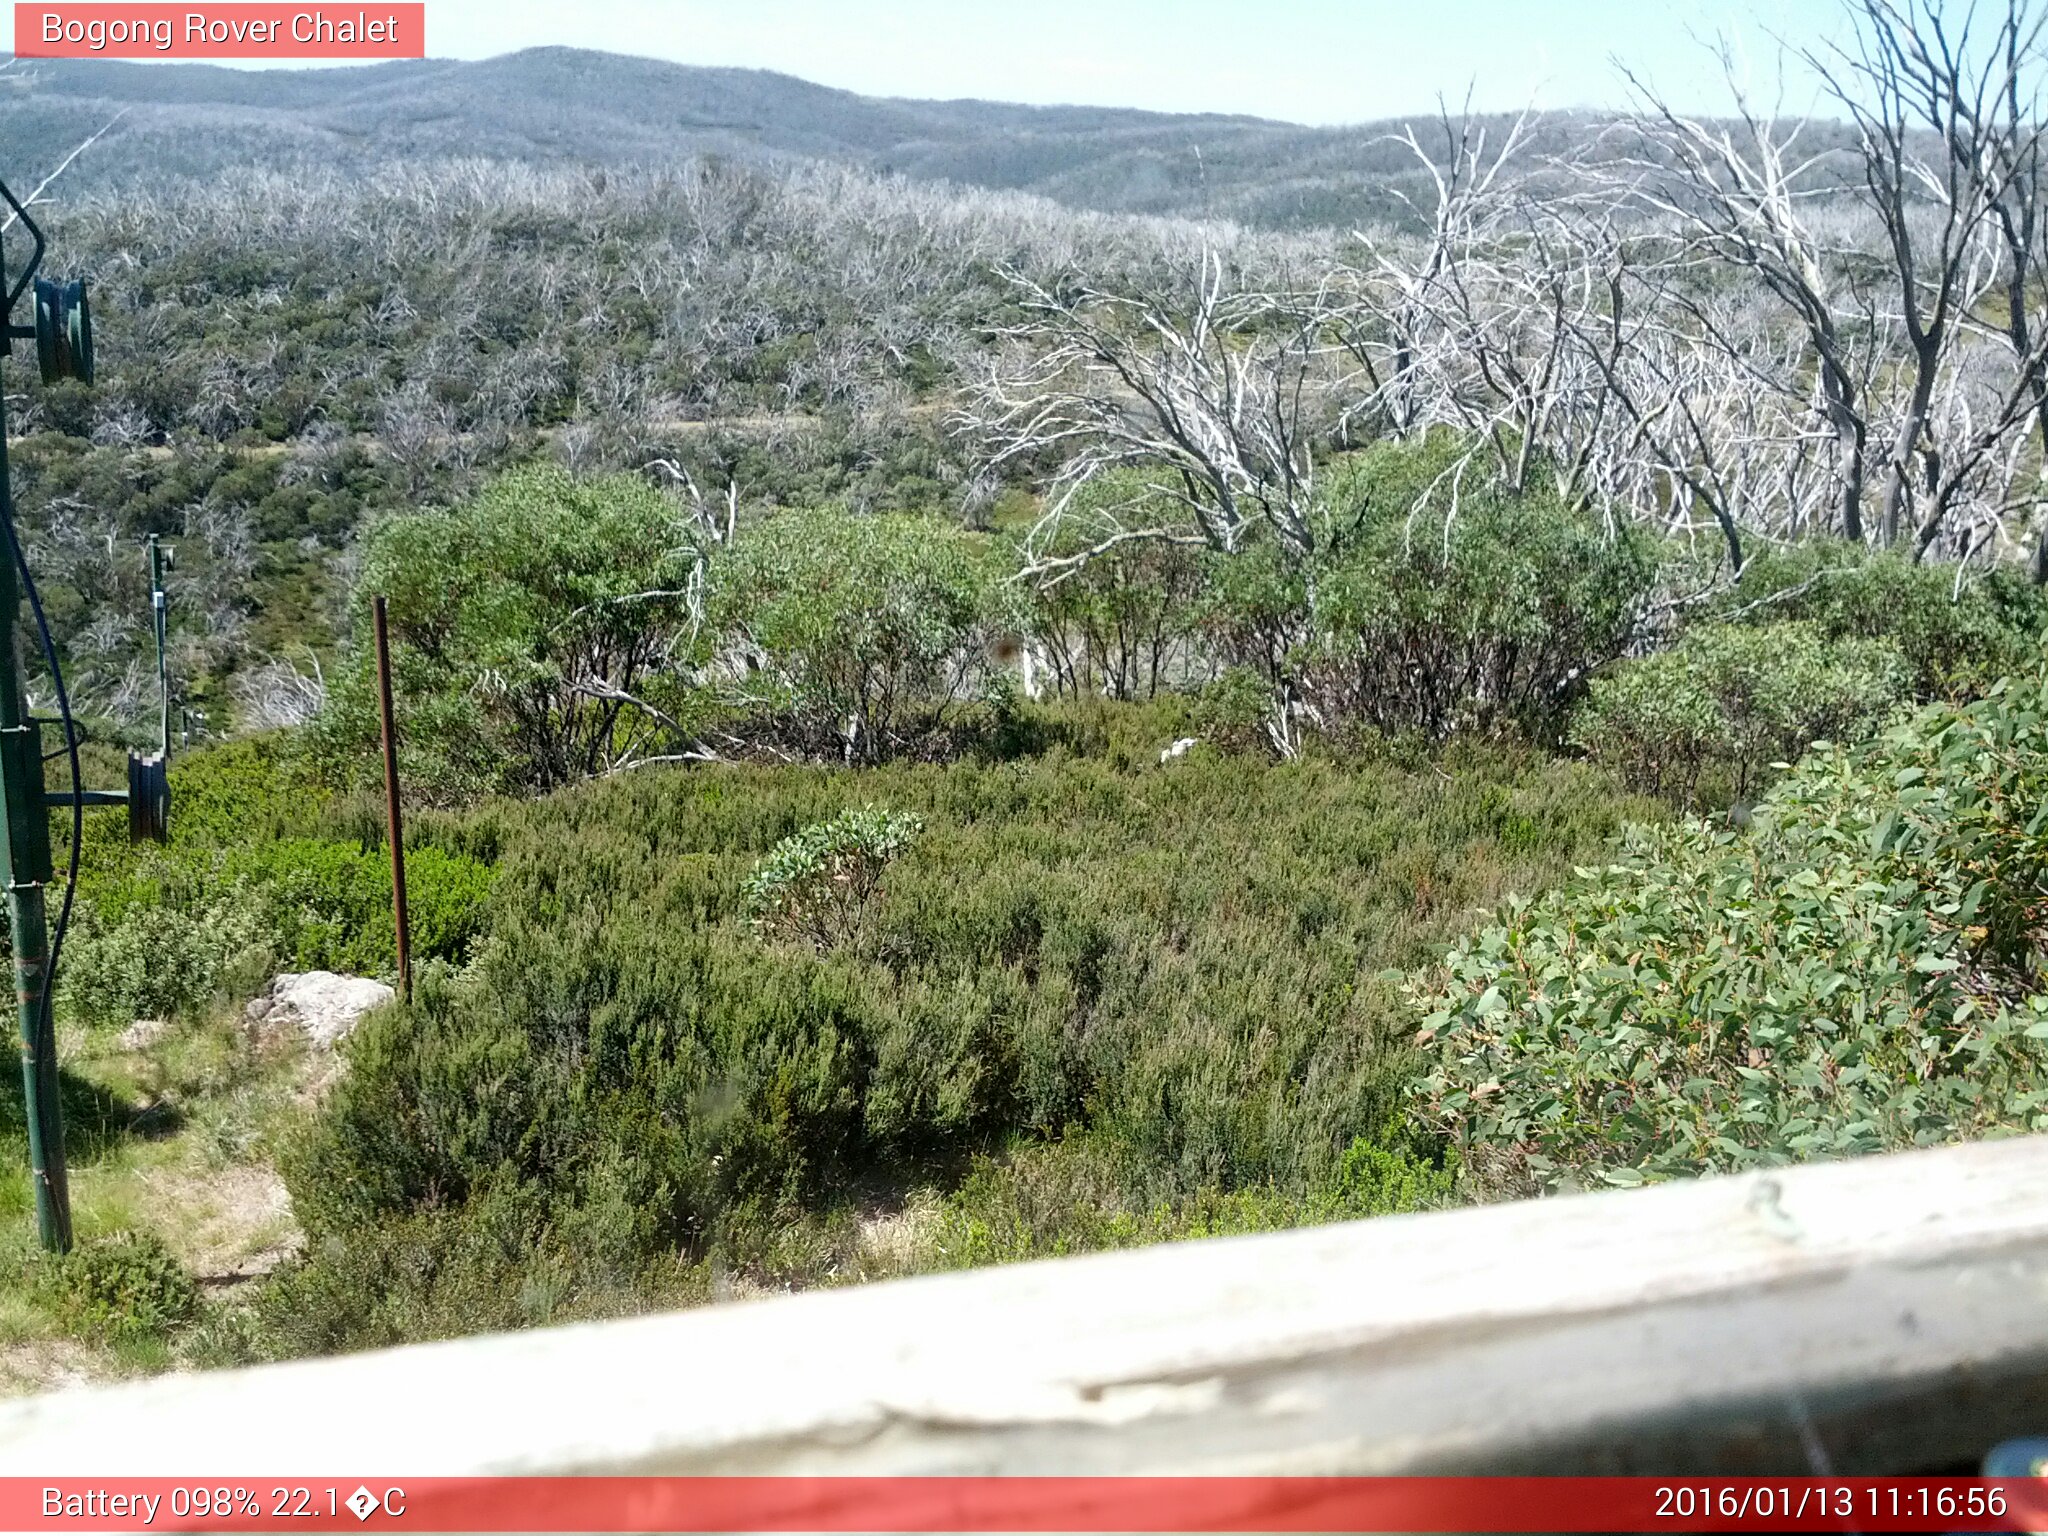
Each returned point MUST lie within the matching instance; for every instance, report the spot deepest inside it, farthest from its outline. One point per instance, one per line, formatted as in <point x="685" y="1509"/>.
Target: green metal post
<point x="28" y="869"/>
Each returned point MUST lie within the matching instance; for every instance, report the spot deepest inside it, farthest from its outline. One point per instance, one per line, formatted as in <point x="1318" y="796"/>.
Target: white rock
<point x="322" y="1005"/>
<point x="1178" y="749"/>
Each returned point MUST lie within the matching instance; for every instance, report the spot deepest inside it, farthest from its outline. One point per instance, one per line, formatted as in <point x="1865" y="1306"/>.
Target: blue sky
<point x="1314" y="61"/>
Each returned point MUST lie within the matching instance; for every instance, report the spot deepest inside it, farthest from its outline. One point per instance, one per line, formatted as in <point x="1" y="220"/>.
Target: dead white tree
<point x="1989" y="98"/>
<point x="1404" y="290"/>
<point x="1742" y="192"/>
<point x="1219" y="392"/>
<point x="1924" y="100"/>
<point x="275" y="693"/>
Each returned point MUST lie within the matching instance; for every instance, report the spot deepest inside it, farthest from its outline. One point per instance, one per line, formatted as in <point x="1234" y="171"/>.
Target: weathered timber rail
<point x="1888" y="1314"/>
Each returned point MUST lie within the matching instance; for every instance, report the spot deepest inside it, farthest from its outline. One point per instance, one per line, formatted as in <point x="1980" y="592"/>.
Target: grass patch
<point x="175" y="1204"/>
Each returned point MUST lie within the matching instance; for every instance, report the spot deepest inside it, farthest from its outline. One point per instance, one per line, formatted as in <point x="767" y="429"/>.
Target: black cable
<point x="49" y="648"/>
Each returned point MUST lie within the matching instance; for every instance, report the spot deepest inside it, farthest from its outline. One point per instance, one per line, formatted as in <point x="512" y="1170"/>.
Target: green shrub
<point x="532" y="633"/>
<point x="1045" y="1200"/>
<point x="326" y="905"/>
<point x="1441" y="601"/>
<point x="152" y="961"/>
<point x="1383" y="1181"/>
<point x="227" y="795"/>
<point x="1255" y="617"/>
<point x="120" y="1289"/>
<point x="1859" y="971"/>
<point x="1183" y="962"/>
<point x="1121" y="623"/>
<point x="1954" y="636"/>
<point x="496" y="1263"/>
<point x="859" y="633"/>
<point x="182" y="924"/>
<point x="817" y="885"/>
<point x="234" y="794"/>
<point x="1234" y="710"/>
<point x="253" y="881"/>
<point x="1736" y="698"/>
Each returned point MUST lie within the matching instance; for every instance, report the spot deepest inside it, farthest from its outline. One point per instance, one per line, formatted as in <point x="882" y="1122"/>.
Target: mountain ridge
<point x="556" y="105"/>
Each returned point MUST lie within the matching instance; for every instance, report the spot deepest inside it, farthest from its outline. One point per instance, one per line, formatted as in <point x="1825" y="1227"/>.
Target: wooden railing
<point x="1889" y="1314"/>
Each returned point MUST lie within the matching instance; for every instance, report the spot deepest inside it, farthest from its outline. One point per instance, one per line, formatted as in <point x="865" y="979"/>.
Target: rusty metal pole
<point x="394" y="831"/>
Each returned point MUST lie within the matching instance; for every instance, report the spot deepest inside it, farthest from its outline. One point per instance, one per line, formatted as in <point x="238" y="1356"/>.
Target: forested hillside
<point x="589" y="109"/>
<point x="944" y="723"/>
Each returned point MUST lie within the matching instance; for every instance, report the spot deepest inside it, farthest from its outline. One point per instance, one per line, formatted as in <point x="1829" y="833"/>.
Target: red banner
<point x="1090" y="1504"/>
<point x="99" y="31"/>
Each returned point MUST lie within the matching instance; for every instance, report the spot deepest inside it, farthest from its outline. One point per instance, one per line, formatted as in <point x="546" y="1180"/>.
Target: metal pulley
<point x="149" y="798"/>
<point x="63" y="331"/>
